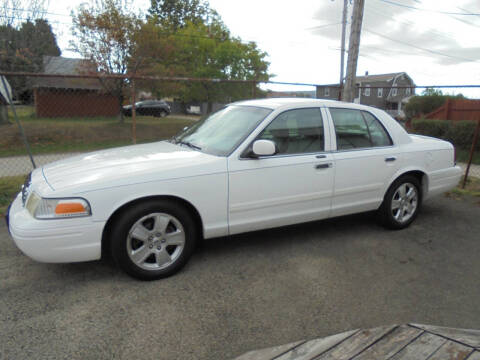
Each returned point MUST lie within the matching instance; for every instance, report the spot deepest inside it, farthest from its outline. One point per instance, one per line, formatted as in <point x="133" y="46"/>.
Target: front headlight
<point x="57" y="208"/>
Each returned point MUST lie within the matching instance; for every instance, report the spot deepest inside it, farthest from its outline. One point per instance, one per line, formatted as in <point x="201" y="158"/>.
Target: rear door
<point x="365" y="159"/>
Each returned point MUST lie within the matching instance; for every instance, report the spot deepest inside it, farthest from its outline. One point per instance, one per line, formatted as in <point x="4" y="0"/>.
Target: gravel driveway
<point x="250" y="291"/>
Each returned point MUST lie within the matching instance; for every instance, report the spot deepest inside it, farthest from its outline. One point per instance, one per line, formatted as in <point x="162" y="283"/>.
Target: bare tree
<point x="14" y="12"/>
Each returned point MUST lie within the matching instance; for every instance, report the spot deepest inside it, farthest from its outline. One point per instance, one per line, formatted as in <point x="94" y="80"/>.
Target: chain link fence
<point x="62" y="116"/>
<point x="66" y="115"/>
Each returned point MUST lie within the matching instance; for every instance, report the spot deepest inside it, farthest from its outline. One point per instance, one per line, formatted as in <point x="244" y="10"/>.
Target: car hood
<point x="129" y="165"/>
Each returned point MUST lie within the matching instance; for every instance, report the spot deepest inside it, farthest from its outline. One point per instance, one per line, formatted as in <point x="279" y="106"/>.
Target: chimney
<point x="366" y="73"/>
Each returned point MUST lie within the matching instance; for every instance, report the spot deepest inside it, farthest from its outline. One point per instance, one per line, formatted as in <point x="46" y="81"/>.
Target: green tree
<point x="201" y="51"/>
<point x="105" y="33"/>
<point x="177" y="14"/>
<point x="22" y="50"/>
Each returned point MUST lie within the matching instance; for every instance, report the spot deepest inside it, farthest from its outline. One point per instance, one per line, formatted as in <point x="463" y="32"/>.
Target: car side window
<point x="378" y="133"/>
<point x="358" y="129"/>
<point x="296" y="131"/>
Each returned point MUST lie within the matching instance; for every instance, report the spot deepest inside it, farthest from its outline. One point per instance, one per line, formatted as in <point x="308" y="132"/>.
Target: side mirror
<point x="264" y="148"/>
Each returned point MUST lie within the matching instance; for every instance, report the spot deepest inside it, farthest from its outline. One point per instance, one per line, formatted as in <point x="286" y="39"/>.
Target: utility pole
<point x="342" y="45"/>
<point x="353" y="50"/>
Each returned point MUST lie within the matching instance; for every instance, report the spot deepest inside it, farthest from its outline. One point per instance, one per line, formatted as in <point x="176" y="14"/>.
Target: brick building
<point x="71" y="97"/>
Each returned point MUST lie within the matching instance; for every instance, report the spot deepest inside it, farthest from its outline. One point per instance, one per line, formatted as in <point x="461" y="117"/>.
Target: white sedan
<point x="252" y="165"/>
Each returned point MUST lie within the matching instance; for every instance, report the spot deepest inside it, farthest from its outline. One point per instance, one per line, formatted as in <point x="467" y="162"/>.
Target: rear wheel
<point x="154" y="239"/>
<point x="401" y="203"/>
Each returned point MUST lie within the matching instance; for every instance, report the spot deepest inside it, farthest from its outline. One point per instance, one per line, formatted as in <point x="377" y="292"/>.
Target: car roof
<point x="274" y="103"/>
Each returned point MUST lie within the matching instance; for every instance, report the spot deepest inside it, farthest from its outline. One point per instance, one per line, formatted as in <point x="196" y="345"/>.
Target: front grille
<point x="26" y="188"/>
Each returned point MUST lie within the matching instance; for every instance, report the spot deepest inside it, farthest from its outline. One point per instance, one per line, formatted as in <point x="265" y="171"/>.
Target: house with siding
<point x="65" y="96"/>
<point x="389" y="92"/>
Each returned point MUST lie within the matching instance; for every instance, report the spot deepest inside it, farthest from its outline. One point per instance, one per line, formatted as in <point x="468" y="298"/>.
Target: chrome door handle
<point x="390" y="159"/>
<point x="323" y="166"/>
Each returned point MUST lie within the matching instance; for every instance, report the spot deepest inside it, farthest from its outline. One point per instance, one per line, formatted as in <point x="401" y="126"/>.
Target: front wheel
<point x="401" y="203"/>
<point x="154" y="239"/>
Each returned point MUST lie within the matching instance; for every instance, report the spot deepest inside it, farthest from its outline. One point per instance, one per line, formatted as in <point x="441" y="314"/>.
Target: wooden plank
<point x="474" y="356"/>
<point x="452" y="350"/>
<point x="269" y="353"/>
<point x="465" y="336"/>
<point x="421" y="348"/>
<point x="391" y="344"/>
<point x="356" y="344"/>
<point x="316" y="347"/>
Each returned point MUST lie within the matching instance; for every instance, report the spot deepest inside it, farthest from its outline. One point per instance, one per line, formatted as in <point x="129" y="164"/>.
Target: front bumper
<point x="54" y="241"/>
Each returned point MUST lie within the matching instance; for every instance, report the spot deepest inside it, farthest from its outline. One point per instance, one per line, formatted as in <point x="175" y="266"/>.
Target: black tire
<point x="121" y="240"/>
<point x="163" y="113"/>
<point x="387" y="213"/>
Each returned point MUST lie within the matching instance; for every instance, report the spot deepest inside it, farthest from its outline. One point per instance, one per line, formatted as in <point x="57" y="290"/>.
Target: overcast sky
<point x="302" y="37"/>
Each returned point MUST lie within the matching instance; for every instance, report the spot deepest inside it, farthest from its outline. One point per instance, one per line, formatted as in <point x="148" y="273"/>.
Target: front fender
<point x="207" y="194"/>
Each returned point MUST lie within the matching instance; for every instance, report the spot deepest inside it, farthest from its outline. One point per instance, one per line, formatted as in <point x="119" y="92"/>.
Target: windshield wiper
<point x="189" y="144"/>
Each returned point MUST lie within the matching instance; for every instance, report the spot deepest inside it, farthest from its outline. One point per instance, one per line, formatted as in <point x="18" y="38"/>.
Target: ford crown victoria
<point x="252" y="165"/>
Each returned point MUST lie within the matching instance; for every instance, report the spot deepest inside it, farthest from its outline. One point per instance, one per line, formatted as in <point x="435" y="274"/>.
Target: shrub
<point x="459" y="133"/>
<point x="429" y="100"/>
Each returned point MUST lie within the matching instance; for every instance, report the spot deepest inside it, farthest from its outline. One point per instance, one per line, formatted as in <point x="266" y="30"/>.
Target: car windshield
<point x="221" y="132"/>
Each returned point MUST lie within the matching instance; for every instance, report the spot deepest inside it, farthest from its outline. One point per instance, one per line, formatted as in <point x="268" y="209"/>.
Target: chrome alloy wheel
<point x="404" y="202"/>
<point x="155" y="241"/>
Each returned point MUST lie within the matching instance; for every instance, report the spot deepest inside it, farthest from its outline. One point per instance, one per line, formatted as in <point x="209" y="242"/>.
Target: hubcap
<point x="155" y="241"/>
<point x="404" y="202"/>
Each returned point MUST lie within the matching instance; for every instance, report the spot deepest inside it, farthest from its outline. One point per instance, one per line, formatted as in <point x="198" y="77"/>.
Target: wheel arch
<point x="111" y="220"/>
<point x="420" y="174"/>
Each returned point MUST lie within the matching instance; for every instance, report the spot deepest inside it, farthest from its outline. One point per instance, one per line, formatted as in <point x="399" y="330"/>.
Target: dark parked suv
<point x="148" y="107"/>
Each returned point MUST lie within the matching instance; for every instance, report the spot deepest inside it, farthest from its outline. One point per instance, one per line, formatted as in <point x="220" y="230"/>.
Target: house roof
<point x="67" y="66"/>
<point x="376" y="77"/>
<point x="379" y="77"/>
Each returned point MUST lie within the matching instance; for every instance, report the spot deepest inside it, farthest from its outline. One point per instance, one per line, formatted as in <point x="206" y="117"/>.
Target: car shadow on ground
<point x="300" y="233"/>
<point x="334" y="229"/>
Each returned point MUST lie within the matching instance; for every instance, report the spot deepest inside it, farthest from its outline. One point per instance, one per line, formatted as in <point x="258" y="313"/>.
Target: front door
<point x="294" y="185"/>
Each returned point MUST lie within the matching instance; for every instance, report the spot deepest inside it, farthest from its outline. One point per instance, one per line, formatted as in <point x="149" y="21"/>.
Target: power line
<point x="30" y="19"/>
<point x="429" y="10"/>
<point x="409" y="23"/>
<point x="323" y="26"/>
<point x="40" y="12"/>
<point x="421" y="48"/>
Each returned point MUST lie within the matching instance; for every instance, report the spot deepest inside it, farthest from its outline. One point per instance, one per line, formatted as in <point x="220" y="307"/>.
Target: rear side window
<point x="378" y="134"/>
<point x="357" y="129"/>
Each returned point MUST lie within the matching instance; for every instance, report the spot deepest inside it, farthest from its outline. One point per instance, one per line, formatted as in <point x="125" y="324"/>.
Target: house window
<point x="380" y="92"/>
<point x="408" y="91"/>
<point x="394" y="91"/>
<point x="327" y="91"/>
<point x="367" y="90"/>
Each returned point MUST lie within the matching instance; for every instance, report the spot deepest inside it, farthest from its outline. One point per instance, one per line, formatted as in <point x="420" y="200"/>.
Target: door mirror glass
<point x="264" y="148"/>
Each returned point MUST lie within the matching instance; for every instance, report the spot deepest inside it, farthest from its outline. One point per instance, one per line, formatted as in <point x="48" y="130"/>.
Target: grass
<point x="470" y="193"/>
<point x="9" y="188"/>
<point x="54" y="135"/>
